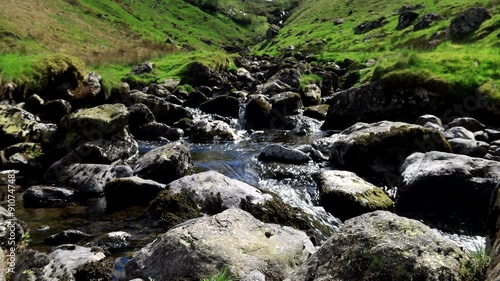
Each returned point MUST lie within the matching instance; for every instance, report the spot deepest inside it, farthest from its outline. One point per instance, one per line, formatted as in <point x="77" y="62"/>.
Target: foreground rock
<point x="383" y="246"/>
<point x="382" y="146"/>
<point x="233" y="239"/>
<point x="446" y="184"/>
<point x="165" y="163"/>
<point x="346" y="195"/>
<point x="130" y="191"/>
<point x="46" y="196"/>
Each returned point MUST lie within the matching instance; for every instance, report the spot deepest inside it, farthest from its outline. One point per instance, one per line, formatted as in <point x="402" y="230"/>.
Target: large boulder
<point x="399" y="97"/>
<point x="278" y="153"/>
<point x="222" y="105"/>
<point x="383" y="146"/>
<point x="139" y="115"/>
<point x="468" y="123"/>
<point x="90" y="179"/>
<point x="212" y="187"/>
<point x="469" y="147"/>
<point x="383" y="246"/>
<point x="41" y="266"/>
<point x="100" y="122"/>
<point x="257" y="112"/>
<point x="163" y="111"/>
<point x="287" y="103"/>
<point x="232" y="239"/>
<point x="467" y="22"/>
<point x="209" y="131"/>
<point x="18" y="125"/>
<point x="165" y="163"/>
<point x="494" y="151"/>
<point x="346" y="195"/>
<point x="447" y="184"/>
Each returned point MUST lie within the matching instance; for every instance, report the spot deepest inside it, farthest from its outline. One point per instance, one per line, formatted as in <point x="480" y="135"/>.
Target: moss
<point x="404" y="79"/>
<point x="374" y="199"/>
<point x="101" y="270"/>
<point x="170" y="209"/>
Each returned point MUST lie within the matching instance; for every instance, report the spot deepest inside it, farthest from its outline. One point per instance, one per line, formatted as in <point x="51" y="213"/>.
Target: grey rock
<point x="72" y="256"/>
<point x="164" y="111"/>
<point x="209" y="131"/>
<point x="9" y="223"/>
<point x="43" y="267"/>
<point x="155" y="130"/>
<point x="469" y="147"/>
<point x="458" y="133"/>
<point x="468" y="123"/>
<point x="165" y="163"/>
<point x="289" y="76"/>
<point x="139" y="115"/>
<point x="383" y="246"/>
<point x="311" y="95"/>
<point x="222" y="105"/>
<point x="171" y="83"/>
<point x="429" y="118"/>
<point x="46" y="196"/>
<point x="406" y="19"/>
<point x="55" y="110"/>
<point x="381" y="147"/>
<point x="232" y="238"/>
<point x="112" y="241"/>
<point x="271" y="88"/>
<point x="212" y="186"/>
<point x="287" y="103"/>
<point x="445" y="183"/>
<point x="257" y="112"/>
<point x="346" y="195"/>
<point x="90" y="179"/>
<point x="278" y="153"/>
<point x="90" y="86"/>
<point x="494" y="151"/>
<point x="142" y="68"/>
<point x="493" y="135"/>
<point x="369" y="25"/>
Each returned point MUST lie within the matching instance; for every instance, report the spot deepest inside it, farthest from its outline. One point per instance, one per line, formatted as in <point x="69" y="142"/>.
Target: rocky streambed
<point x="252" y="172"/>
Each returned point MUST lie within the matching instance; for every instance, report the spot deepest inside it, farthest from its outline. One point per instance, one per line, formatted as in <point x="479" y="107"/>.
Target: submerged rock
<point x="346" y="195"/>
<point x="383" y="246"/>
<point x="233" y="239"/>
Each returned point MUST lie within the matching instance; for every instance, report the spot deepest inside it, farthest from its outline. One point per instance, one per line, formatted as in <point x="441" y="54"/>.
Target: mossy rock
<point x="170" y="209"/>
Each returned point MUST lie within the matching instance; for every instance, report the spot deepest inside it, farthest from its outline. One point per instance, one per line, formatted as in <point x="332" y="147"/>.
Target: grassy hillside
<point x="468" y="64"/>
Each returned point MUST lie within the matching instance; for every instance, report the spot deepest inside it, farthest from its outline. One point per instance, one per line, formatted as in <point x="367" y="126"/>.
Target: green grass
<point x="223" y="275"/>
<point x="466" y="65"/>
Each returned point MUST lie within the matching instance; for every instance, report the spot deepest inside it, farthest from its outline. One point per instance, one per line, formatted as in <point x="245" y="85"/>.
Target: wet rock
<point x="286" y="104"/>
<point x="195" y="99"/>
<point x="222" y="105"/>
<point x="311" y="95"/>
<point x="381" y="147"/>
<point x="67" y="237"/>
<point x="494" y="151"/>
<point x="317" y="112"/>
<point x="100" y="270"/>
<point x="94" y="152"/>
<point x="26" y="157"/>
<point x="155" y="130"/>
<point x="89" y="88"/>
<point x="34" y="104"/>
<point x="163" y="111"/>
<point x="429" y="118"/>
<point x="369" y="25"/>
<point x="426" y="21"/>
<point x="278" y="153"/>
<point x="171" y="83"/>
<point x="169" y="209"/>
<point x="209" y="131"/>
<point x="468" y="22"/>
<point x="9" y="223"/>
<point x="131" y="191"/>
<point x="55" y="110"/>
<point x="458" y="133"/>
<point x="112" y="241"/>
<point x="383" y="246"/>
<point x="46" y="196"/>
<point x="232" y="238"/>
<point x="18" y="125"/>
<point x="406" y="19"/>
<point x="245" y="77"/>
<point x="100" y="122"/>
<point x="72" y="256"/>
<point x="271" y="88"/>
<point x="494" y="235"/>
<point x="41" y="266"/>
<point x="165" y="163"/>
<point x="346" y="195"/>
<point x="445" y="184"/>
<point x="90" y="179"/>
<point x="139" y="115"/>
<point x="257" y="112"/>
<point x="216" y="192"/>
<point x="468" y="123"/>
<point x="199" y="74"/>
<point x="469" y="147"/>
<point x="493" y="135"/>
